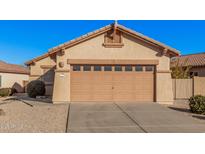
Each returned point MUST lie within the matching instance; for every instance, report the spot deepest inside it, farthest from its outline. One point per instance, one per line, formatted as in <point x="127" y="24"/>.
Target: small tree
<point x="180" y="71"/>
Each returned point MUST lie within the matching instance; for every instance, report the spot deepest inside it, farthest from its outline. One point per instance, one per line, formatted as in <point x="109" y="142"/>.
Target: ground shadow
<point x="180" y="109"/>
<point x="24" y="97"/>
<point x="199" y="117"/>
<point x="47" y="99"/>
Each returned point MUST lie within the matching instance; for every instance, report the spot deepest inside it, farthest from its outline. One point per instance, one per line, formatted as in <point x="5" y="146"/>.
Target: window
<point x="76" y="67"/>
<point x="149" y="68"/>
<point x="97" y="68"/>
<point x="128" y="68"/>
<point x="107" y="68"/>
<point x="138" y="68"/>
<point x="87" y="68"/>
<point x="118" y="68"/>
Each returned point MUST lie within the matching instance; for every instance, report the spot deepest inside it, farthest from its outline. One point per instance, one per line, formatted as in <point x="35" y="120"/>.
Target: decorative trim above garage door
<point x="113" y="61"/>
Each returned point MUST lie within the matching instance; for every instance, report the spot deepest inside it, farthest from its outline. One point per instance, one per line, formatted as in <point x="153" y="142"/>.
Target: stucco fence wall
<point x="12" y="80"/>
<point x="185" y="88"/>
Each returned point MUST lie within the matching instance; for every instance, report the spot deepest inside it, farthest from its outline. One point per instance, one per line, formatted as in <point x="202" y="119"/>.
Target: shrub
<point x="7" y="92"/>
<point x="36" y="88"/>
<point x="197" y="104"/>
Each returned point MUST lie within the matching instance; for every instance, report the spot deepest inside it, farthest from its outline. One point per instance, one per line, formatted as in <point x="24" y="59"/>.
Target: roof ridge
<point x="98" y="32"/>
<point x="1" y="61"/>
<point x="13" y="68"/>
<point x="17" y="65"/>
<point x="148" y="38"/>
<point x="10" y="63"/>
<point x="82" y="36"/>
<point x="195" y="60"/>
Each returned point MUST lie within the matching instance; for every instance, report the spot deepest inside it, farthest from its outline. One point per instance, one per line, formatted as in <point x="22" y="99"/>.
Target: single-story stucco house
<point x="111" y="64"/>
<point x="195" y="61"/>
<point x="13" y="76"/>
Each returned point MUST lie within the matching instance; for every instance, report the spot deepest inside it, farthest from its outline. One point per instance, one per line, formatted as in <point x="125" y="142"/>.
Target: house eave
<point x="98" y="32"/>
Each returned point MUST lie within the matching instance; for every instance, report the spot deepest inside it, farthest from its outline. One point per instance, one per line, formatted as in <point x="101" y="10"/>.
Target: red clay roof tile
<point x="106" y="28"/>
<point x="189" y="60"/>
<point x="12" y="68"/>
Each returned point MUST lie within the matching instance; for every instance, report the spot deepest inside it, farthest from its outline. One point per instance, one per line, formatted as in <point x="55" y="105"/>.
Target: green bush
<point x="36" y="88"/>
<point x="7" y="92"/>
<point x="197" y="104"/>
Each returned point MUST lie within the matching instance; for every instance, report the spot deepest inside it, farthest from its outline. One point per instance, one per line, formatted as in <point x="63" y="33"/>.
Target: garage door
<point x="112" y="83"/>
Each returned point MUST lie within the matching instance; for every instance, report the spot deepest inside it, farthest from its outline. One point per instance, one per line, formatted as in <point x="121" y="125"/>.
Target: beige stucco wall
<point x="132" y="49"/>
<point x="93" y="49"/>
<point x="199" y="84"/>
<point x="9" y="80"/>
<point x="61" y="87"/>
<point x="36" y="72"/>
<point x="164" y="89"/>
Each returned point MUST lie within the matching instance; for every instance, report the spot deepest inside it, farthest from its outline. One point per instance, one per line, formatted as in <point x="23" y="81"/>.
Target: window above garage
<point x="86" y="68"/>
<point x="149" y="68"/>
<point x="128" y="68"/>
<point x="118" y="68"/>
<point x="114" y="68"/>
<point x="138" y="68"/>
<point x="76" y="67"/>
<point x="107" y="68"/>
<point x="97" y="68"/>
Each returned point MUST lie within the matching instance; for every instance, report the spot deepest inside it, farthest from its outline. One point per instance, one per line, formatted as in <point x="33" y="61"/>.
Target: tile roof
<point x="98" y="32"/>
<point x="149" y="39"/>
<point x="189" y="60"/>
<point x="12" y="68"/>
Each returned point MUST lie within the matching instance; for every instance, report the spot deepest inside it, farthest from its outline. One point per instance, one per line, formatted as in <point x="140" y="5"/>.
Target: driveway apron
<point x="100" y="118"/>
<point x="156" y="118"/>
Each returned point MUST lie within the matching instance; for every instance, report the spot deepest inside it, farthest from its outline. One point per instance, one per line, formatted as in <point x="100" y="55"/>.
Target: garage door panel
<point x="133" y="86"/>
<point x="144" y="85"/>
<point x="96" y="85"/>
<point x="112" y="86"/>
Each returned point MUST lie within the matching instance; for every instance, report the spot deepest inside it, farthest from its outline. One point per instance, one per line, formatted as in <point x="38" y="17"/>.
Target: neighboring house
<point x="113" y="63"/>
<point x="13" y="76"/>
<point x="195" y="61"/>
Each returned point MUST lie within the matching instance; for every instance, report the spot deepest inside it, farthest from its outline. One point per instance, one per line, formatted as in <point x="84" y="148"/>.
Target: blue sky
<point x="23" y="40"/>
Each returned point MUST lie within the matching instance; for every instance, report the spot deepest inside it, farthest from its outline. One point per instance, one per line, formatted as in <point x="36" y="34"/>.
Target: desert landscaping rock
<point x="23" y="118"/>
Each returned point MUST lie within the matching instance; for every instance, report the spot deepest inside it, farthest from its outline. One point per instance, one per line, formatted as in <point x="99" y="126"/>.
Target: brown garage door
<point x="112" y="83"/>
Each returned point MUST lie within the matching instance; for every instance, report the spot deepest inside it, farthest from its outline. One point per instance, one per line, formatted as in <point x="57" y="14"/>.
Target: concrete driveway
<point x="130" y="118"/>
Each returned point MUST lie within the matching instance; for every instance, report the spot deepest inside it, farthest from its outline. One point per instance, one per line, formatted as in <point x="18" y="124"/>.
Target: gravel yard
<point x="21" y="117"/>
